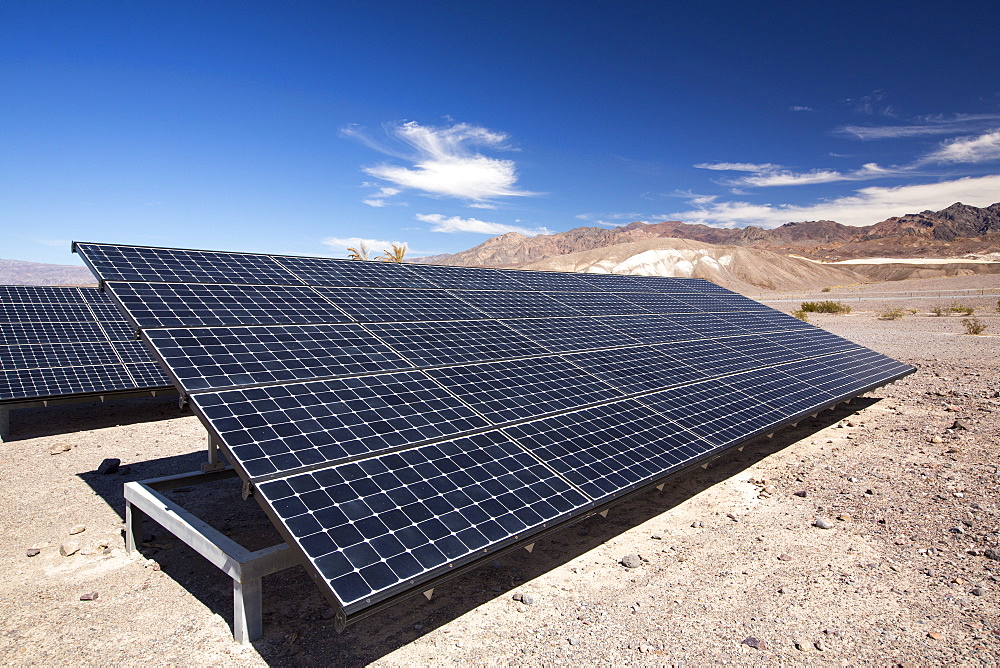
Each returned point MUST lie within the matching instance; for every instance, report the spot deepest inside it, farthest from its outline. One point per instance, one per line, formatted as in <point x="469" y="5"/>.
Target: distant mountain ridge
<point x="18" y="272"/>
<point x="957" y="230"/>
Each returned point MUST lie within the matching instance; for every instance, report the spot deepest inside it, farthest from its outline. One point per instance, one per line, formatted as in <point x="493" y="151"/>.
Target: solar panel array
<point x="398" y="421"/>
<point x="59" y="342"/>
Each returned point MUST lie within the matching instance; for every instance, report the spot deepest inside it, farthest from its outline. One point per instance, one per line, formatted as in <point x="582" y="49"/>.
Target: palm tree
<point x="359" y="253"/>
<point x="394" y="255"/>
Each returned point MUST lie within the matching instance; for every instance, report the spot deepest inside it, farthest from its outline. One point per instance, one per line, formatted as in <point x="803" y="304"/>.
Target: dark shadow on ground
<point x="58" y="419"/>
<point x="298" y="625"/>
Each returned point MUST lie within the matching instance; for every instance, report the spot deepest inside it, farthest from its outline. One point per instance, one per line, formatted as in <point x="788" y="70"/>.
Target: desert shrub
<point x="912" y="311"/>
<point x="973" y="325"/>
<point x="827" y="289"/>
<point x="894" y="314"/>
<point x="959" y="308"/>
<point x="938" y="311"/>
<point x="825" y="307"/>
<point x="998" y="306"/>
<point x="801" y="315"/>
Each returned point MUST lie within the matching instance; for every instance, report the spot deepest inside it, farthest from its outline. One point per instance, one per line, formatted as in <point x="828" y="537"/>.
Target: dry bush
<point x="894" y="314"/>
<point x="960" y="308"/>
<point x="974" y="326"/>
<point x="825" y="307"/>
<point x="801" y="315"/>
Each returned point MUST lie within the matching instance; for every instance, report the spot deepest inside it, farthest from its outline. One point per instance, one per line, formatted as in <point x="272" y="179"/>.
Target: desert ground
<point x="731" y="570"/>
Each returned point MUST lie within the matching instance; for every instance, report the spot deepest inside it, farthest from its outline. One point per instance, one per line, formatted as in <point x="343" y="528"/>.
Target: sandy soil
<point x="905" y="576"/>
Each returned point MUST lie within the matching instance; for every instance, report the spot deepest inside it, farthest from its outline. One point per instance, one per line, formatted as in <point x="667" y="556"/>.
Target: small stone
<point x="496" y="589"/>
<point x="418" y="627"/>
<point x="109" y="466"/>
<point x="732" y="517"/>
<point x="958" y="530"/>
<point x="631" y="561"/>
<point x="822" y="523"/>
<point x="935" y="635"/>
<point x="784" y="556"/>
<point x="78" y="528"/>
<point x="782" y="590"/>
<point x="756" y="643"/>
<point x="89" y="596"/>
<point x="527" y="599"/>
<point x="819" y="645"/>
<point x="802" y="645"/>
<point x="937" y="439"/>
<point x="958" y="424"/>
<point x="60" y="448"/>
<point x="657" y="536"/>
<point x="697" y="525"/>
<point x="992" y="554"/>
<point x="844" y="517"/>
<point x="852" y="479"/>
<point x="953" y="451"/>
<point x="978" y="591"/>
<point x="68" y="548"/>
<point x="574" y="641"/>
<point x="33" y="552"/>
<point x="516" y="596"/>
<point x="801" y="493"/>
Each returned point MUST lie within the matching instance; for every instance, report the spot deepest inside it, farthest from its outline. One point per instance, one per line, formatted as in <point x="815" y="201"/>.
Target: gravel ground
<point x="731" y="567"/>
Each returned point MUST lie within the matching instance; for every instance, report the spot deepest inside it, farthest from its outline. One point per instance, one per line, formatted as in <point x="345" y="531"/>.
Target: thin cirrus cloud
<point x="441" y="223"/>
<point x="864" y="207"/>
<point x="443" y="162"/>
<point x="924" y="127"/>
<point x="767" y="174"/>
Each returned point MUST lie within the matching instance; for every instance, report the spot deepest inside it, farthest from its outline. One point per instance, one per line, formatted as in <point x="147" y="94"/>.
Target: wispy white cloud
<point x="441" y="223"/>
<point x="927" y="126"/>
<point x="873" y="104"/>
<point x="864" y="207"/>
<point x="767" y="174"/>
<point x="443" y="162"/>
<point x="738" y="166"/>
<point x="798" y="107"/>
<point x="975" y="149"/>
<point x="380" y="197"/>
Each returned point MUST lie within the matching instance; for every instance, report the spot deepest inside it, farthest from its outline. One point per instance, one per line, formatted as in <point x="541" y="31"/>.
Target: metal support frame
<point x="246" y="568"/>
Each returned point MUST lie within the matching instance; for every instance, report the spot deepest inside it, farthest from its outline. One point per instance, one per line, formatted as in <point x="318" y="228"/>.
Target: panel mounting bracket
<point x="246" y="568"/>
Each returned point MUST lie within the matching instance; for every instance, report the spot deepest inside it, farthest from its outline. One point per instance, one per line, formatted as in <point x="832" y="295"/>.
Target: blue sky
<point x="299" y="127"/>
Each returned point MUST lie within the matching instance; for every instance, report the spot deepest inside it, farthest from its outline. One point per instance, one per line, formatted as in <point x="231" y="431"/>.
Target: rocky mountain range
<point x="956" y="231"/>
<point x="18" y="272"/>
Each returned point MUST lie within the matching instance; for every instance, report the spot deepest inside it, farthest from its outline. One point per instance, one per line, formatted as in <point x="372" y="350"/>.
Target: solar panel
<point x="402" y="421"/>
<point x="609" y="449"/>
<point x="567" y="334"/>
<point x="217" y="358"/>
<point x="515" y="390"/>
<point x="442" y="343"/>
<point x="400" y="305"/>
<point x="126" y="263"/>
<point x="389" y="522"/>
<point x="352" y="273"/>
<point x="53" y="345"/>
<point x="281" y="428"/>
<point x="195" y="305"/>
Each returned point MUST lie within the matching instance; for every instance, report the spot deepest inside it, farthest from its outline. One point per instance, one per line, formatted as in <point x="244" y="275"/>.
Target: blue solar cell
<point x="399" y="305"/>
<point x="609" y="449"/>
<point x="569" y="334"/>
<point x="280" y="428"/>
<point x="129" y="263"/>
<point x="356" y="273"/>
<point x="191" y="305"/>
<point x="441" y="343"/>
<point x="215" y="358"/>
<point x="379" y="525"/>
<point x="520" y="389"/>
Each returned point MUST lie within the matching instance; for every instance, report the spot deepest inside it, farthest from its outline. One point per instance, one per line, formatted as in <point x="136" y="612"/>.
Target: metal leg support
<point x="246" y="568"/>
<point x="213" y="464"/>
